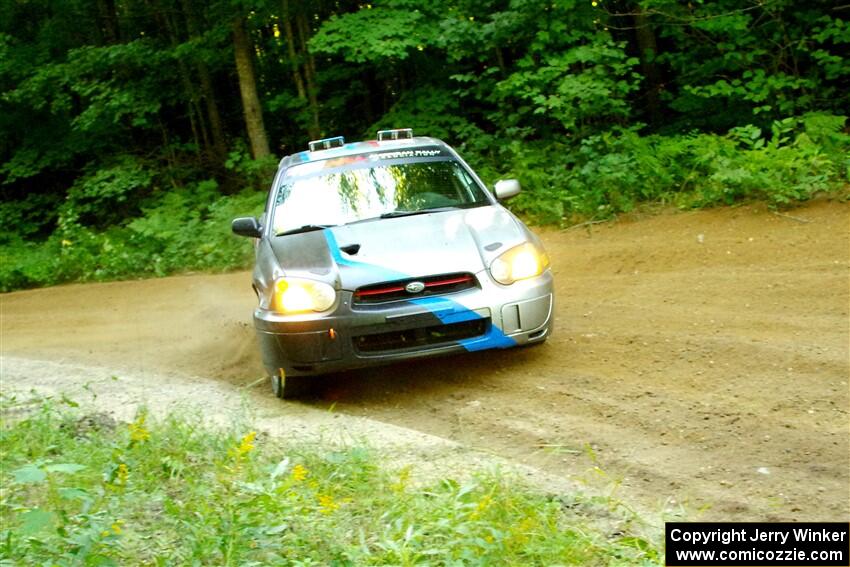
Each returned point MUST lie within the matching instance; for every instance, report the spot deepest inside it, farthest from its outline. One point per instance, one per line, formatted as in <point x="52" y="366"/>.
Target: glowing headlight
<point x="518" y="263"/>
<point x="294" y="295"/>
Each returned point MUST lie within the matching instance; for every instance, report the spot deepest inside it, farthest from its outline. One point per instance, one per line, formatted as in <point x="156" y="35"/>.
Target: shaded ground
<point x="698" y="359"/>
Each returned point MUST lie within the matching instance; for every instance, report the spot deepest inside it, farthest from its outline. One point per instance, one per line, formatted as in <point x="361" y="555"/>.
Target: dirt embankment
<point x="699" y="359"/>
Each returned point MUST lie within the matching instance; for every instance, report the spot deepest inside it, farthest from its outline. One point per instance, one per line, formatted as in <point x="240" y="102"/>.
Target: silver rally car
<point x="385" y="250"/>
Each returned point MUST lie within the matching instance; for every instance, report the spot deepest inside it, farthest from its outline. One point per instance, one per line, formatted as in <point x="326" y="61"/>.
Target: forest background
<point x="133" y="131"/>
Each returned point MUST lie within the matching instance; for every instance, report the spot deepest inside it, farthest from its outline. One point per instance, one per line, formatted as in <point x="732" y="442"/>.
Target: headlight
<point x="295" y="295"/>
<point x="518" y="263"/>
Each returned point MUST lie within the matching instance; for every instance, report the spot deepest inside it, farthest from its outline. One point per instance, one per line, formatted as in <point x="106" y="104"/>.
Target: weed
<point x="174" y="492"/>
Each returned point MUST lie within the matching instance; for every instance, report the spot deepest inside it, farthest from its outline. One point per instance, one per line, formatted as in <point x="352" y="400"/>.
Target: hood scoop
<point x="351" y="249"/>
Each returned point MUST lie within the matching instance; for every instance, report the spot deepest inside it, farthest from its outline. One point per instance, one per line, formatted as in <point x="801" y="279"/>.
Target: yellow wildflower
<point x="246" y="445"/>
<point x="138" y="432"/>
<point x="122" y="474"/>
<point x="299" y="473"/>
<point x="482" y="506"/>
<point x="116" y="527"/>
<point x="403" y="477"/>
<point x="520" y="532"/>
<point x="327" y="503"/>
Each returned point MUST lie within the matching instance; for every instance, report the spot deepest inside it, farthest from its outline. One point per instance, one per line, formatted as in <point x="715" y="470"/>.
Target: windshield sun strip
<point x="364" y="164"/>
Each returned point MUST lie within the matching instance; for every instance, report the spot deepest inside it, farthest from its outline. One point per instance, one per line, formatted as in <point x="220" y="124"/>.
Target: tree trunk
<point x="309" y="73"/>
<point x="196" y="121"/>
<point x="219" y="140"/>
<point x="242" y="49"/>
<point x="293" y="57"/>
<point x="500" y="60"/>
<point x="109" y="21"/>
<point x="208" y="94"/>
<point x="648" y="49"/>
<point x="190" y="87"/>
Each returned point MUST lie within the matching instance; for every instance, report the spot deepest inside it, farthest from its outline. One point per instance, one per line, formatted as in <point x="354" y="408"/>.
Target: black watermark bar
<point x="757" y="543"/>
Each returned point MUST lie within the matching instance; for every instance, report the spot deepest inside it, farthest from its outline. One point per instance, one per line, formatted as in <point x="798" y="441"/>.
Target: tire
<point x="288" y="387"/>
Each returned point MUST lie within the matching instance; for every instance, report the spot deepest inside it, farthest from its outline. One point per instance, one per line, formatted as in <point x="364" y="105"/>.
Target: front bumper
<point x="492" y="316"/>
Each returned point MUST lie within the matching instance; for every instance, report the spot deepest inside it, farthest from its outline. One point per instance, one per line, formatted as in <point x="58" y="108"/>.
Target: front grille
<point x="396" y="290"/>
<point x="411" y="339"/>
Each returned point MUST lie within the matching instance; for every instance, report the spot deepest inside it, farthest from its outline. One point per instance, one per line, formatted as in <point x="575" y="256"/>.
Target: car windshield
<point x="326" y="193"/>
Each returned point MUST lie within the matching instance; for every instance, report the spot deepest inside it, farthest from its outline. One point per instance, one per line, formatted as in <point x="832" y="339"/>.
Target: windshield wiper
<point x="305" y="228"/>
<point x="396" y="214"/>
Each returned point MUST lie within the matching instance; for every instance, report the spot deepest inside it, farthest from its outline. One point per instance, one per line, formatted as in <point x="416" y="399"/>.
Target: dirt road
<point x="699" y="358"/>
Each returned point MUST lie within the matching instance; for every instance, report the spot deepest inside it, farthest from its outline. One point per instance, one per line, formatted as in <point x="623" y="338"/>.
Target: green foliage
<point x="385" y="33"/>
<point x="190" y="229"/>
<point x="93" y="96"/>
<point x="611" y="172"/>
<point x="102" y="194"/>
<point x="182" y="230"/>
<point x="28" y="217"/>
<point x="582" y="84"/>
<point x="436" y="111"/>
<point x="86" y="490"/>
<point x="251" y="172"/>
<point x="732" y="64"/>
<point x="28" y="264"/>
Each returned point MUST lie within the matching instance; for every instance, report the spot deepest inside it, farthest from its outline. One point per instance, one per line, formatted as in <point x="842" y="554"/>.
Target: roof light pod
<point x="397" y="134"/>
<point x="326" y="143"/>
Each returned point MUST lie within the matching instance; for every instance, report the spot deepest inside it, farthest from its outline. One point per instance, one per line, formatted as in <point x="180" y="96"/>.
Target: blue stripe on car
<point x="493" y="338"/>
<point x="449" y="311"/>
<point x="336" y="254"/>
<point x="445" y="309"/>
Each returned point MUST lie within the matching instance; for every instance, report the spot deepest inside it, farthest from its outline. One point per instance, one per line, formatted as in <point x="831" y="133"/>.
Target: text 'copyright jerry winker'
<point x="754" y="543"/>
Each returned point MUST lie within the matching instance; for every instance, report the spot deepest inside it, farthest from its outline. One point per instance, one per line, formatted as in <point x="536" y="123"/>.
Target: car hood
<point x="364" y="253"/>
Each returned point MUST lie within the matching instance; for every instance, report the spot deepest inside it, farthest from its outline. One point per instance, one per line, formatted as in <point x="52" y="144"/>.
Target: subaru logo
<point x="414" y="287"/>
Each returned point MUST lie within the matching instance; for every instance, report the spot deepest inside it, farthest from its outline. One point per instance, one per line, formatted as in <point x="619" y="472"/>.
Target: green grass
<point x="81" y="489"/>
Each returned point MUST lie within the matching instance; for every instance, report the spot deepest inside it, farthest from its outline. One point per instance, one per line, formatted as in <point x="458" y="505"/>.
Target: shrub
<point x="181" y="230"/>
<point x="611" y="172"/>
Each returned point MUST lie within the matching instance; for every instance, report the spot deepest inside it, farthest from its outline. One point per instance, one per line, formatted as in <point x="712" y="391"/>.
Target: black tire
<point x="289" y="387"/>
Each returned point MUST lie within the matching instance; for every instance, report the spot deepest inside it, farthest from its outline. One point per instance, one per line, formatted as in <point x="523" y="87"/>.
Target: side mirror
<point x="506" y="188"/>
<point x="246" y="226"/>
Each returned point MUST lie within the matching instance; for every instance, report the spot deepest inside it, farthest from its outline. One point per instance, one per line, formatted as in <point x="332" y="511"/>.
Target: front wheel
<point x="288" y="387"/>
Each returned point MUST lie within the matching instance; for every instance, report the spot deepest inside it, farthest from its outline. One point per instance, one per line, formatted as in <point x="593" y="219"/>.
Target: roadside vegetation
<point x="132" y="131"/>
<point x="82" y="489"/>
